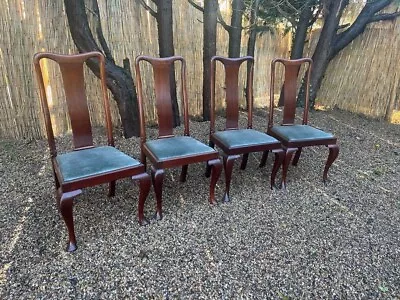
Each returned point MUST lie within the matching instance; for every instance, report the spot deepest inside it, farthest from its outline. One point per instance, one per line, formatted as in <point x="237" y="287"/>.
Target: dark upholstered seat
<point x="231" y="140"/>
<point x="176" y="148"/>
<point x="92" y="162"/>
<point x="86" y="165"/>
<point x="301" y="133"/>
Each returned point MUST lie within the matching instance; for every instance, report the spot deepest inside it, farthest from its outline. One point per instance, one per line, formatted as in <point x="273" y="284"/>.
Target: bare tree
<point x="331" y="41"/>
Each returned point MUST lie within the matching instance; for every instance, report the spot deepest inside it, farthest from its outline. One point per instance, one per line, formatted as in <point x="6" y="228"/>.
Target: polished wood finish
<point x="161" y="71"/>
<point x="294" y="146"/>
<point x="232" y="149"/>
<point x="71" y="68"/>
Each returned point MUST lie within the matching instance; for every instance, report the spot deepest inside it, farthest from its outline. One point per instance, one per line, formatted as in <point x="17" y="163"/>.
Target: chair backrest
<point x="71" y="68"/>
<point x="232" y="67"/>
<point x="162" y="84"/>
<point x="292" y="68"/>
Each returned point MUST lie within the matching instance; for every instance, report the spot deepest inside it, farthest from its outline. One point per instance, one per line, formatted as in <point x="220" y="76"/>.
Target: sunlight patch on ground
<point x="395" y="119"/>
<point x="14" y="240"/>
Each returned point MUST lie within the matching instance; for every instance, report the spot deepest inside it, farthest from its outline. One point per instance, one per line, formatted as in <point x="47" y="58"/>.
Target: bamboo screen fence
<point x="29" y="26"/>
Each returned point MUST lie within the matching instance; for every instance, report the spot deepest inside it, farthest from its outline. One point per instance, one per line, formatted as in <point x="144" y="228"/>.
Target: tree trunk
<point x="235" y="31"/>
<point x="209" y="50"/>
<point x="251" y="43"/>
<point x="118" y="80"/>
<point x="166" y="47"/>
<point x="322" y="53"/>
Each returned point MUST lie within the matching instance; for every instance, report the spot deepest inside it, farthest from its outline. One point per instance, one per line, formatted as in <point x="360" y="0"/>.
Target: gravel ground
<point x="335" y="241"/>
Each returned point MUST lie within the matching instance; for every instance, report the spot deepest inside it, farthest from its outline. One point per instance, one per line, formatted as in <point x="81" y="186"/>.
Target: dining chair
<point x="87" y="165"/>
<point x="170" y="150"/>
<point x="235" y="141"/>
<point x="296" y="136"/>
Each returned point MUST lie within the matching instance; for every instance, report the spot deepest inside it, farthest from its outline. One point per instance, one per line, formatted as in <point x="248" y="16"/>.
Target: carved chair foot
<point x="158" y="216"/>
<point x="144" y="222"/>
<point x="71" y="247"/>
<point x="226" y="198"/>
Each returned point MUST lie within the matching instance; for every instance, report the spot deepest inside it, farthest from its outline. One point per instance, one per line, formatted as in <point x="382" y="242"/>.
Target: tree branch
<point x="366" y="15"/>
<point x="221" y="20"/>
<point x="99" y="32"/>
<point x="148" y="8"/>
<point x="384" y="17"/>
<point x="195" y="5"/>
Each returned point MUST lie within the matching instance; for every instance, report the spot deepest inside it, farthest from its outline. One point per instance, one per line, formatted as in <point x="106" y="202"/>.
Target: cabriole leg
<point x="228" y="167"/>
<point x="144" y="181"/>
<point x="216" y="167"/>
<point x="208" y="166"/>
<point x="66" y="202"/>
<point x="333" y="154"/>
<point x="296" y="157"/>
<point x="279" y="158"/>
<point x="288" y="157"/>
<point x="157" y="176"/>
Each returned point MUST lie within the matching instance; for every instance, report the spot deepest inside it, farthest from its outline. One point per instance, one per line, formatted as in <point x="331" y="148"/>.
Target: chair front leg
<point x="244" y="161"/>
<point x="65" y="202"/>
<point x="296" y="157"/>
<point x="208" y="166"/>
<point x="333" y="154"/>
<point x="288" y="157"/>
<point x="157" y="176"/>
<point x="144" y="181"/>
<point x="229" y="161"/>
<point x="216" y="167"/>
<point x="182" y="178"/>
<point x="111" y="189"/>
<point x="279" y="158"/>
<point x="263" y="159"/>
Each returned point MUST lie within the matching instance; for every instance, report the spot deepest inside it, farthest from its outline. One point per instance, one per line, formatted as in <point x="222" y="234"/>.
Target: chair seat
<point x="91" y="162"/>
<point x="243" y="139"/>
<point x="300" y="133"/>
<point x="176" y="148"/>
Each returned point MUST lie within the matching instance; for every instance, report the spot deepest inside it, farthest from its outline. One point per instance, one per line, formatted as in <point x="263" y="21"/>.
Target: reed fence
<point x="363" y="79"/>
